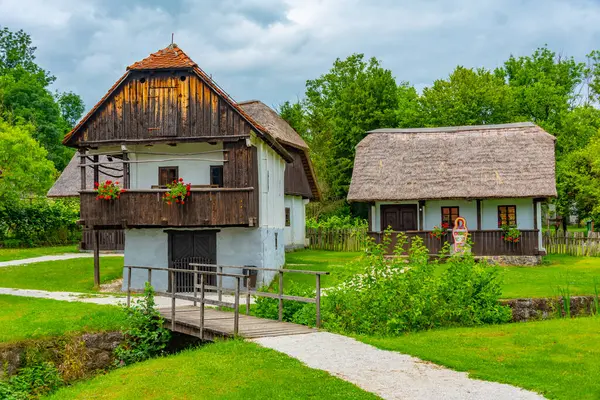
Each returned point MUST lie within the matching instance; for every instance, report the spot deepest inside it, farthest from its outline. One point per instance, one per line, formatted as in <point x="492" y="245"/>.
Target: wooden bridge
<point x="209" y="323"/>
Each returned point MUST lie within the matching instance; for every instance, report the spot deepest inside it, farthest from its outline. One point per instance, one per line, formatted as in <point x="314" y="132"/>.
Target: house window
<point x="167" y="175"/>
<point x="449" y="215"/>
<point x="288" y="221"/>
<point x="507" y="216"/>
<point x="216" y="175"/>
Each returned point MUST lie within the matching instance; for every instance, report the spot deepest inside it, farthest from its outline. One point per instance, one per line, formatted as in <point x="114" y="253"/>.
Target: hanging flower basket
<point x="438" y="232"/>
<point x="108" y="190"/>
<point x="177" y="193"/>
<point x="511" y="234"/>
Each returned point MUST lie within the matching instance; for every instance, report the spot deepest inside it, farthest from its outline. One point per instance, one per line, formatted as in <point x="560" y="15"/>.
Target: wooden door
<point x="187" y="247"/>
<point x="399" y="217"/>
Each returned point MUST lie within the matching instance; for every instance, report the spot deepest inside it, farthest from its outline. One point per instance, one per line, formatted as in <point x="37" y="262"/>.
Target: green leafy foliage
<point x="26" y="99"/>
<point x="145" y="336"/>
<point x="397" y="295"/>
<point x="25" y="171"/>
<point x="293" y="311"/>
<point x="337" y="222"/>
<point x="31" y="382"/>
<point x="39" y="222"/>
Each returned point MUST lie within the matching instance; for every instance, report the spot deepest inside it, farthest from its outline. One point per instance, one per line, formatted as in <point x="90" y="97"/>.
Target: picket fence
<point x="572" y="243"/>
<point x="334" y="239"/>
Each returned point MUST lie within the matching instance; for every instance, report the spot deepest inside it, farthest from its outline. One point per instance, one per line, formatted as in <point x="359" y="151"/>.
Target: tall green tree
<point x="544" y="85"/>
<point x="467" y="97"/>
<point x="24" y="169"/>
<point x="355" y="96"/>
<point x="26" y="99"/>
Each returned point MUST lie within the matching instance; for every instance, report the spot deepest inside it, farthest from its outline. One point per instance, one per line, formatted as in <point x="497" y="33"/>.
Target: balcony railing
<point x="146" y="208"/>
<point x="485" y="243"/>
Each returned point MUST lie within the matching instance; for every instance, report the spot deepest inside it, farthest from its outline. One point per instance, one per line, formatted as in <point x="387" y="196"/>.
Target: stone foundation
<point x="512" y="260"/>
<point x="89" y="352"/>
<point x="545" y="308"/>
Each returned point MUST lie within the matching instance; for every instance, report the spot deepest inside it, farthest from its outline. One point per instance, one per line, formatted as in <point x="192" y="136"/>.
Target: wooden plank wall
<point x="162" y="105"/>
<point x="296" y="181"/>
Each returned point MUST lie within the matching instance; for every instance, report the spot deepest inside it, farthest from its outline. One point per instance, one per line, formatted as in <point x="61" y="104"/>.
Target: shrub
<point x="404" y="294"/>
<point x="31" y="382"/>
<point x="145" y="336"/>
<point x="293" y="311"/>
<point x="39" y="222"/>
<point x="337" y="222"/>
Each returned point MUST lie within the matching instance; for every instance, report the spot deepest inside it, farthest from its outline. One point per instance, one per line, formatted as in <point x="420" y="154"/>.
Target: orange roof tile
<point x="168" y="58"/>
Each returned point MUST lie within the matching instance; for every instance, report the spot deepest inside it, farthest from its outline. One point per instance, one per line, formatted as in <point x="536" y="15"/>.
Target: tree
<point x="25" y="98"/>
<point x="544" y="85"/>
<point x="355" y="96"/>
<point x="25" y="170"/>
<point x="578" y="176"/>
<point x="467" y="97"/>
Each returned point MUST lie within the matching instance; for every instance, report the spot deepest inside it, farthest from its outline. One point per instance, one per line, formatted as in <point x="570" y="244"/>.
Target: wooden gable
<point x="158" y="106"/>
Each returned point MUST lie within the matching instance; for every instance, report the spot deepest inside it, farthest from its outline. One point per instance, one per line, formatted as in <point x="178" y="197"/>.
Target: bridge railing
<point x="199" y="292"/>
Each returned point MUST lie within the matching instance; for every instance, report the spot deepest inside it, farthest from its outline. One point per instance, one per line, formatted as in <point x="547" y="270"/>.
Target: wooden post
<point x="128" y="286"/>
<point x="96" y="258"/>
<point x="220" y="284"/>
<point x="150" y="277"/>
<point x="173" y="291"/>
<point x="96" y="169"/>
<point x="478" y="214"/>
<point x="202" y="307"/>
<point x="280" y="296"/>
<point x="248" y="294"/>
<point x="82" y="164"/>
<point x="236" y="320"/>
<point x="318" y="302"/>
<point x="195" y="284"/>
<point x="126" y="175"/>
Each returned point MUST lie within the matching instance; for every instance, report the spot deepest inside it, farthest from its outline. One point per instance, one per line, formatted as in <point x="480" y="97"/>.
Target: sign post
<point x="460" y="234"/>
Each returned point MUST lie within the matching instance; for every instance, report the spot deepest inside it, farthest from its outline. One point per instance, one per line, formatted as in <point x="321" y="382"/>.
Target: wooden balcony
<point x="205" y="207"/>
<point x="485" y="243"/>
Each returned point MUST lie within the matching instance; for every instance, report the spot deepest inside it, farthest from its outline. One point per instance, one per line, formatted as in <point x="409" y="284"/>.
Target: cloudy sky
<point x="267" y="49"/>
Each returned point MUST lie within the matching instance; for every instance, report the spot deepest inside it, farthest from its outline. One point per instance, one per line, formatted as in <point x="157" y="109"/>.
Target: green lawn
<point x="538" y="281"/>
<point x="19" y="254"/>
<point x="558" y="358"/>
<point x="543" y="281"/>
<point x="224" y="370"/>
<point x="29" y="318"/>
<point x="340" y="264"/>
<point x="76" y="275"/>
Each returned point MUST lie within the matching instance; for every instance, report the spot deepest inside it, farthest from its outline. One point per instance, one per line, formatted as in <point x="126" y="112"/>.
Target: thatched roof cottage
<point x="495" y="176"/>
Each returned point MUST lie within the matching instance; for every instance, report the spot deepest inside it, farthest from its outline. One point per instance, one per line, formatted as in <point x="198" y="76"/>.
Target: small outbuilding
<point x="421" y="180"/>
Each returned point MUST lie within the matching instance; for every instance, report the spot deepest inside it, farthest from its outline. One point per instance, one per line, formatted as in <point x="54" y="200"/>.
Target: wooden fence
<point x="572" y="243"/>
<point x="334" y="239"/>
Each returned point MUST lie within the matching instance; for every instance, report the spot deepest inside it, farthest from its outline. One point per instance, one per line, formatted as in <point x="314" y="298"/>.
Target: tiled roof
<point x="168" y="58"/>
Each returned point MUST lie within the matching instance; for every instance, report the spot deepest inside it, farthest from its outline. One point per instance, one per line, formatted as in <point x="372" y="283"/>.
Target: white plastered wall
<point x="295" y="234"/>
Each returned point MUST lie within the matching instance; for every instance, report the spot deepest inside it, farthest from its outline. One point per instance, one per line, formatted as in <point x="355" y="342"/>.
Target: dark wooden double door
<point x="186" y="247"/>
<point x="400" y="217"/>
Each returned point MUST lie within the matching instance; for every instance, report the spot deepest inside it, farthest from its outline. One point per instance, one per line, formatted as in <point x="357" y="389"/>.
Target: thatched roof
<point x="475" y="162"/>
<point x="277" y="126"/>
<point x="284" y="134"/>
<point x="68" y="183"/>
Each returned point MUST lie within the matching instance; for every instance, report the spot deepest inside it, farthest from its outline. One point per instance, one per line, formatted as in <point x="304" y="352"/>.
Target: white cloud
<point x="268" y="49"/>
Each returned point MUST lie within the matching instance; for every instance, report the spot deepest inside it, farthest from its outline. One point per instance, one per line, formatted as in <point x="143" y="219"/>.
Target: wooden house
<point x="492" y="175"/>
<point x="166" y="119"/>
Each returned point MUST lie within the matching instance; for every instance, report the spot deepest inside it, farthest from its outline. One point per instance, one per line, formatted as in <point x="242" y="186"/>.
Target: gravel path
<point x="389" y="374"/>
<point x="100" y="298"/>
<point x="58" y="257"/>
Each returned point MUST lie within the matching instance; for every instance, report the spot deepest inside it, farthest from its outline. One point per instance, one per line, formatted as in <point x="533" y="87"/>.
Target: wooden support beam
<point x="126" y="175"/>
<point x="96" y="170"/>
<point x="420" y="211"/>
<point x="535" y="213"/>
<point x="478" y="214"/>
<point x="96" y="258"/>
<point x="82" y="172"/>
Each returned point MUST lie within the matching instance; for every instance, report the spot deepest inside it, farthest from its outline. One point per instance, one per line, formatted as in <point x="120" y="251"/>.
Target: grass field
<point x="224" y="370"/>
<point x="558" y="358"/>
<point x="75" y="275"/>
<point x="28" y="318"/>
<point x="19" y="254"/>
<point x="539" y="281"/>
